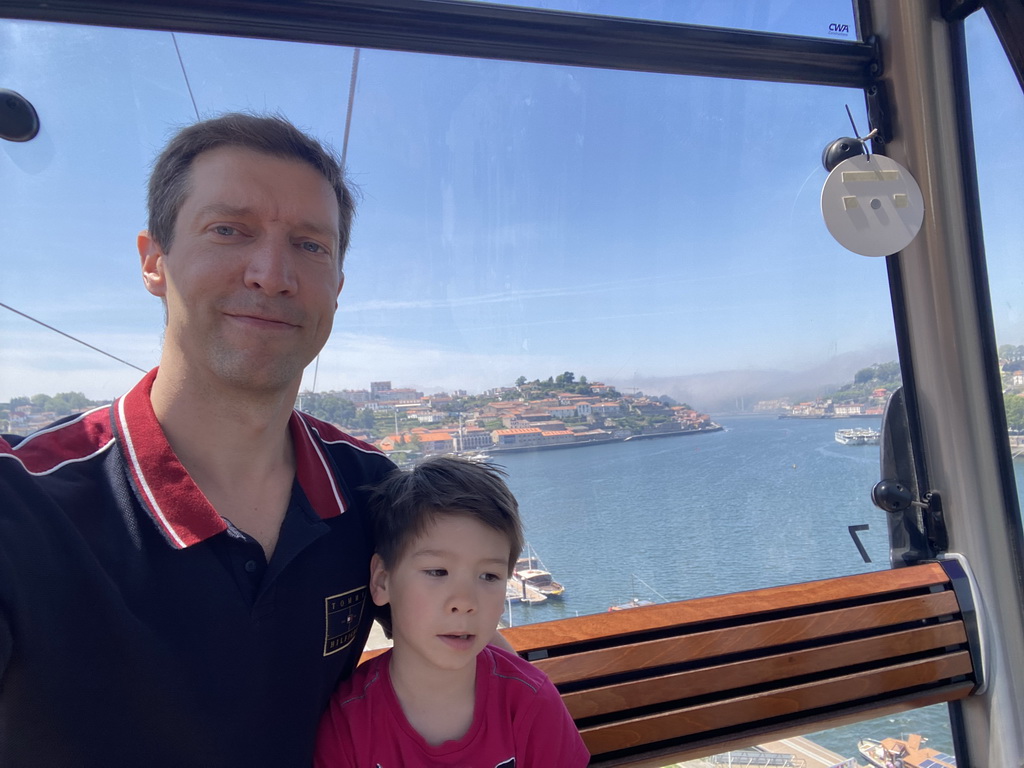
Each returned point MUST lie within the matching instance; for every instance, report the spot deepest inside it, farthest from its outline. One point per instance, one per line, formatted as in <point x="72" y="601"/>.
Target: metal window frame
<point x="488" y="31"/>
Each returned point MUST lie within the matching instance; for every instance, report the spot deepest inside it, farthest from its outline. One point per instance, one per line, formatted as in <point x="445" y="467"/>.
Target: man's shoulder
<point x="333" y="436"/>
<point x="72" y="440"/>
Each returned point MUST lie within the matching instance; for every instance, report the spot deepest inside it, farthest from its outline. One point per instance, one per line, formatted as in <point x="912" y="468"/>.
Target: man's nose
<point x="270" y="268"/>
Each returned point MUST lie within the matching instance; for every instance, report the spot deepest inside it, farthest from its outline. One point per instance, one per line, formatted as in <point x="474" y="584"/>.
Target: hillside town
<point x="558" y="413"/>
<point x="561" y="411"/>
<point x="407" y="424"/>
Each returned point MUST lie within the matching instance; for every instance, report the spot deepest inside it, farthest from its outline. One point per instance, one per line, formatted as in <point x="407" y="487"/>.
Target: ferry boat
<point x="858" y="436"/>
<point x="903" y="753"/>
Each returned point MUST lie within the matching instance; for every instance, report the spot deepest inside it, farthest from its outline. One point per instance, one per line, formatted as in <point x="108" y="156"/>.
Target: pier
<point x="795" y="752"/>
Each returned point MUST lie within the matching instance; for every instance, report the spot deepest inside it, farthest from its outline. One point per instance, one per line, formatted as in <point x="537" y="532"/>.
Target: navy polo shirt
<point x="140" y="628"/>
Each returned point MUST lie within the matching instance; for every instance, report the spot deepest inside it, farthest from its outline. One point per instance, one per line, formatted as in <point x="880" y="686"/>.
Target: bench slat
<point x="757" y="635"/>
<point x="653" y="617"/>
<point x="689" y="721"/>
<point x="713" y="742"/>
<point x="752" y="672"/>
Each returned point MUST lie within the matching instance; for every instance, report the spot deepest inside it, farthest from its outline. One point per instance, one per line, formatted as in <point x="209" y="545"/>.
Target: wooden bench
<point x="663" y="683"/>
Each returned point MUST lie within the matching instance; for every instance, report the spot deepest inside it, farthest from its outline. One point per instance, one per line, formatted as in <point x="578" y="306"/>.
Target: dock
<point x="795" y="752"/>
<point x="519" y="591"/>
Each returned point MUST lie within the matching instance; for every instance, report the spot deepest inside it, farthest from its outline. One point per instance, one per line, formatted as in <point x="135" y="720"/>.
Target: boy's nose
<point x="462" y="601"/>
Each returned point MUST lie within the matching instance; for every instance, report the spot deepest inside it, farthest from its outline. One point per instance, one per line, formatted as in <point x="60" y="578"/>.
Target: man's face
<point x="252" y="279"/>
<point x="447" y="593"/>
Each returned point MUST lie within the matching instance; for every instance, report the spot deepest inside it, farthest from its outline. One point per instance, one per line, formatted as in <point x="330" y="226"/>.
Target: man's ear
<point x="379" y="581"/>
<point x="151" y="255"/>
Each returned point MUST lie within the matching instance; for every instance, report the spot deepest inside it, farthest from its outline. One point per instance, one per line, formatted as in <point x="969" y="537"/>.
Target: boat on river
<point x="636" y="601"/>
<point x="858" y="436"/>
<point x="530" y="571"/>
<point x="903" y="753"/>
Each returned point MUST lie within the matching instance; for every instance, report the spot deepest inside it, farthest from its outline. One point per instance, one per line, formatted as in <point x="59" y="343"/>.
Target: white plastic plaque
<point x="872" y="205"/>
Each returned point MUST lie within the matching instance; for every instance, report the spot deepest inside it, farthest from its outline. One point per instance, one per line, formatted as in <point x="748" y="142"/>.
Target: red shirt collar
<point x="174" y="501"/>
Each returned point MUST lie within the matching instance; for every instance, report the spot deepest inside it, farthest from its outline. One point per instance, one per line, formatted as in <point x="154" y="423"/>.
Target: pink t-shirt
<point x="519" y="721"/>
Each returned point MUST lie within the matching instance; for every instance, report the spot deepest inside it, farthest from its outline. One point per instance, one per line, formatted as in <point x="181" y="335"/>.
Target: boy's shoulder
<point x="512" y="669"/>
<point x="368" y="680"/>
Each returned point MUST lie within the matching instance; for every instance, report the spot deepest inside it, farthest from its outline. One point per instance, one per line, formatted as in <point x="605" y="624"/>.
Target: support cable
<point x="69" y="336"/>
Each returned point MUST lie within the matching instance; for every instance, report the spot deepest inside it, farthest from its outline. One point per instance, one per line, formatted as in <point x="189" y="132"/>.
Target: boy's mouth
<point x="458" y="642"/>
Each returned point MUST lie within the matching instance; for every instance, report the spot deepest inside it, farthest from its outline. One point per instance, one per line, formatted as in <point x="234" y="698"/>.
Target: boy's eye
<point x="437" y="572"/>
<point x="491" y="577"/>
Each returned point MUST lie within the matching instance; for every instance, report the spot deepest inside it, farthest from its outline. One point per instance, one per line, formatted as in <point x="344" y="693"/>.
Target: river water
<point x="765" y="502"/>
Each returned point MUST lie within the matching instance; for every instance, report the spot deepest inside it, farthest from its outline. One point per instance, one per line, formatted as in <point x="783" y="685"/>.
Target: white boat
<point x="636" y="601"/>
<point x="530" y="571"/>
<point x="858" y="436"/>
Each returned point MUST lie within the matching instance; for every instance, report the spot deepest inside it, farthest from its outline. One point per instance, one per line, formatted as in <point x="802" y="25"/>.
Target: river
<point x="765" y="502"/>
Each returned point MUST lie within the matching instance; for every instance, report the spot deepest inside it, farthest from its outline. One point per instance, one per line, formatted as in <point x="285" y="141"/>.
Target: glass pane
<point x="657" y="234"/>
<point x="522" y="228"/>
<point x="998" y="105"/>
<point x="881" y="740"/>
<point x="833" y="19"/>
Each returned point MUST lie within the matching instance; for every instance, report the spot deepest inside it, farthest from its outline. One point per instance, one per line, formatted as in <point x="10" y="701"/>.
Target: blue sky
<point x="516" y="218"/>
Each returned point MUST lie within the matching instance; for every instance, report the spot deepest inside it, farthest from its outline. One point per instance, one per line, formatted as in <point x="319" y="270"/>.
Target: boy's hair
<point x="405" y="502"/>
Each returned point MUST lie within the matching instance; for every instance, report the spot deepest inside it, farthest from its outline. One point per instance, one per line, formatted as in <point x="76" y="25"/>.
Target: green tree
<point x="520" y="381"/>
<point x="365" y="420"/>
<point x="864" y="375"/>
<point x="1014" y="411"/>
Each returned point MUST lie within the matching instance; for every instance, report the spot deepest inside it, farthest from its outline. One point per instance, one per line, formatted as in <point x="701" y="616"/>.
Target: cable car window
<point x="623" y="254"/>
<point x="547" y="261"/>
<point x="998" y="102"/>
<point x="834" y="19"/>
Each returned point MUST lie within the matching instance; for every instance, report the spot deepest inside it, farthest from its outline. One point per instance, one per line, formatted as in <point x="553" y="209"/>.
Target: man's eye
<point x="224" y="229"/>
<point x="312" y="247"/>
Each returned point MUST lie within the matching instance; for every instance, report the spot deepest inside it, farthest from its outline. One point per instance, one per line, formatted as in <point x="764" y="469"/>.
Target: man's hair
<point x="406" y="502"/>
<point x="169" y="184"/>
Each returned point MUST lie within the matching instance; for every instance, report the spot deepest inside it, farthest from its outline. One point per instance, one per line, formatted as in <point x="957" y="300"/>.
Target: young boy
<point x="448" y="534"/>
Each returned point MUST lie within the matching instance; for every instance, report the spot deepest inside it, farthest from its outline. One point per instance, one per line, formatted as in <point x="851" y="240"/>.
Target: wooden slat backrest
<point x="684" y="679"/>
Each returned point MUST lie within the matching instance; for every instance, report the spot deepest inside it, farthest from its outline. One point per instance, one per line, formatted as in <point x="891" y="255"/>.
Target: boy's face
<point x="447" y="592"/>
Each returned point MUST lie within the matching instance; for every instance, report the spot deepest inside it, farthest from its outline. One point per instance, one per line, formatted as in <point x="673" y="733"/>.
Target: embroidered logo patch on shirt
<point x="343" y="616"/>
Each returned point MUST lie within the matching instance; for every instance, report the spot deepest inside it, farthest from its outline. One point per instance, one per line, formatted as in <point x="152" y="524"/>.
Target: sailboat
<point x="635" y="601"/>
<point x="530" y="572"/>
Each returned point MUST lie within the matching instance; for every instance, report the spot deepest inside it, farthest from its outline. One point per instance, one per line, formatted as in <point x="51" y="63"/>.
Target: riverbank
<point x="495" y="450"/>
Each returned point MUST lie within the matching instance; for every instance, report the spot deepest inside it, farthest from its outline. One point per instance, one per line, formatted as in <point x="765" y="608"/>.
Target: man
<point x="183" y="575"/>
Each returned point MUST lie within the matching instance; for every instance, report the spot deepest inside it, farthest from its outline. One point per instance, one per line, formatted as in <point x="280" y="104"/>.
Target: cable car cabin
<point x="584" y="222"/>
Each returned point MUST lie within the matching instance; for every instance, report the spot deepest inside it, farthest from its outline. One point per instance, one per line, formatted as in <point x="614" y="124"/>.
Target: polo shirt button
<point x="250" y="566"/>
